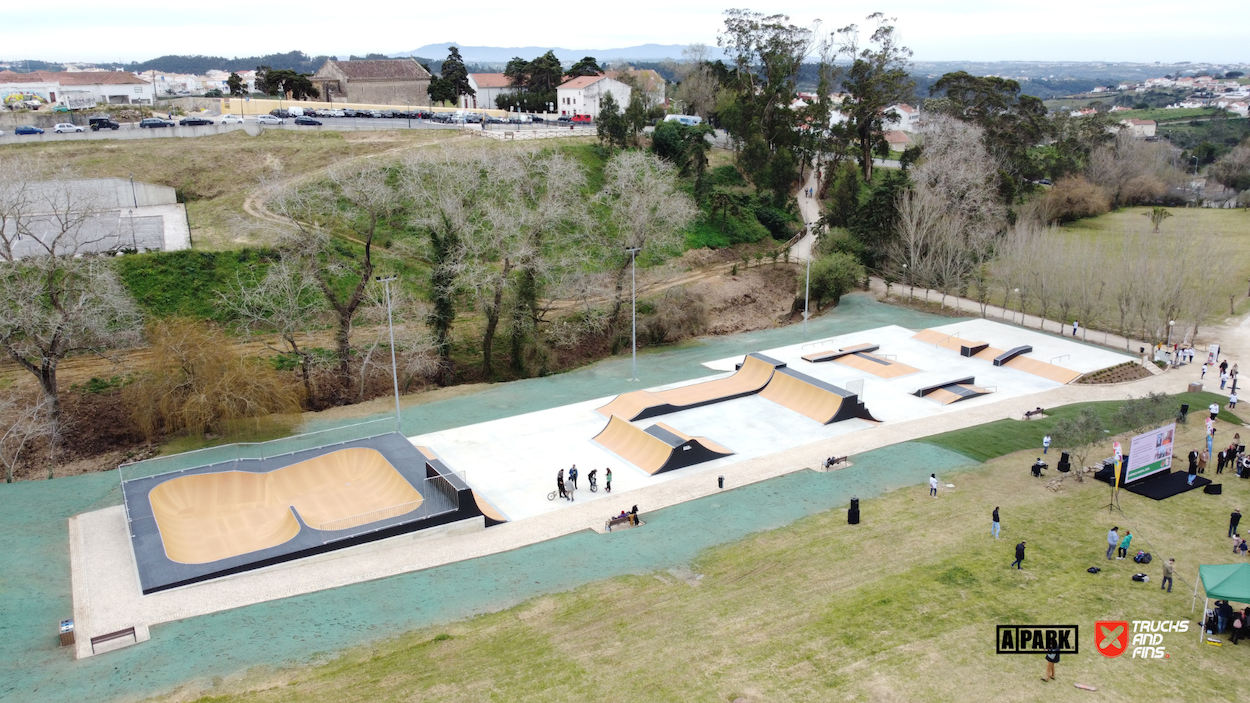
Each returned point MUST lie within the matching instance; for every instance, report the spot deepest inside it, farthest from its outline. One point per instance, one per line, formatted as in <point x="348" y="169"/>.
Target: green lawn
<point x="902" y="607"/>
<point x="995" y="439"/>
<point x="1160" y="114"/>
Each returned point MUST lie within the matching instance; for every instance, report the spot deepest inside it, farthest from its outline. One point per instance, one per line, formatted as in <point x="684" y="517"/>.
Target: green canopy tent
<point x="1230" y="582"/>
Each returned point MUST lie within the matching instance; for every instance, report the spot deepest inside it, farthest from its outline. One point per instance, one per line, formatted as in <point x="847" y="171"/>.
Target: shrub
<point x="832" y="277"/>
<point x="775" y="220"/>
<point x="678" y="314"/>
<point x="838" y="240"/>
<point x="727" y="175"/>
<point x="1071" y="198"/>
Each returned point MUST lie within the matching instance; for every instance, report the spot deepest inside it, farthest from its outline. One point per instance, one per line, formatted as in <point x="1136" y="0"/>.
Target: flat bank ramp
<point x="952" y="391"/>
<point x="658" y="448"/>
<point x="1012" y="359"/>
<point x="823" y="402"/>
<point x="754" y="373"/>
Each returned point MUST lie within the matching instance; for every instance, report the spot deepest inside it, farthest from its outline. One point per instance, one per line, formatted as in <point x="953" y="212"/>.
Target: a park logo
<point x="1111" y="637"/>
<point x="1037" y="639"/>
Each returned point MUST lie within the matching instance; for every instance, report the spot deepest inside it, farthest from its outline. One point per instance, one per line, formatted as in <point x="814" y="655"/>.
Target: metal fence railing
<point x="254" y="450"/>
<point x="372" y="516"/>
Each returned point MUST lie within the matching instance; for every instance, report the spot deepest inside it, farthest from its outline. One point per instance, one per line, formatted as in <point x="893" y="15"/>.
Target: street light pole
<point x="807" y="288"/>
<point x="633" y="303"/>
<point x="394" y="369"/>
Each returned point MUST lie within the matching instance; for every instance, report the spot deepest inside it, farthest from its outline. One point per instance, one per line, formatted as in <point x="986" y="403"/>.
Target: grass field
<point x="1159" y="114"/>
<point x="902" y="607"/>
<point x="214" y="174"/>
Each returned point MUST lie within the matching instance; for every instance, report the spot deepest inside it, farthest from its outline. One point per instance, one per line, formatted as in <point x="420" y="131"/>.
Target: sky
<point x="976" y="30"/>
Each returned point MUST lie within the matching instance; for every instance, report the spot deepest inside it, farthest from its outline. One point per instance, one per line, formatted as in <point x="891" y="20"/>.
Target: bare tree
<point x="646" y="210"/>
<point x="416" y="353"/>
<point x="22" y="422"/>
<point x="287" y="303"/>
<point x="698" y="87"/>
<point x="353" y="203"/>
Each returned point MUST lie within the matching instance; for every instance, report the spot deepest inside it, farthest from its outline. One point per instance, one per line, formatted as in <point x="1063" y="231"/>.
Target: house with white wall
<point x="487" y="87"/>
<point x="907" y="118"/>
<point x="79" y="89"/>
<point x="584" y="94"/>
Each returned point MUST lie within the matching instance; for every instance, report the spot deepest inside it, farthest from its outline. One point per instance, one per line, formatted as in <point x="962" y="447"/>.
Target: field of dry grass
<point x="902" y="607"/>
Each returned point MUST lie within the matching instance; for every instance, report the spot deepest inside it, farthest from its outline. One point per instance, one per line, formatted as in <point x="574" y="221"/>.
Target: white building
<point x="487" y="87"/>
<point x="906" y="117"/>
<point x="1139" y="128"/>
<point x="583" y="95"/>
<point x="78" y="89"/>
<point x="651" y="83"/>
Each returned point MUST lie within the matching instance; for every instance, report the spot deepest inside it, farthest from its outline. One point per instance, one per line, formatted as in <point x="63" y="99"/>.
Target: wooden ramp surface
<point x="753" y="375"/>
<point x="649" y="451"/>
<point x="811" y="397"/>
<point x="206" y="517"/>
<point x="955" y="393"/>
<point x="876" y="365"/>
<point x="1058" y="374"/>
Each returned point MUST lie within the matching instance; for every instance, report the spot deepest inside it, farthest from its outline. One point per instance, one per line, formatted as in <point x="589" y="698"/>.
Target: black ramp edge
<point x="1009" y="355"/>
<point x="973" y="349"/>
<point x="852" y="407"/>
<point x="766" y="359"/>
<point x="922" y="392"/>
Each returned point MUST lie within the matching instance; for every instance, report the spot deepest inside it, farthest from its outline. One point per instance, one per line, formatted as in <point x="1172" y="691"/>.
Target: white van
<point x="296" y="111"/>
<point x="688" y="120"/>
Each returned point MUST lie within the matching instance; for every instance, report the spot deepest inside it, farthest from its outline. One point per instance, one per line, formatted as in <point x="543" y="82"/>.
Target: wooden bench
<point x="1030" y="414"/>
<point x="613" y="522"/>
<point x="509" y="135"/>
<point x="834" y="461"/>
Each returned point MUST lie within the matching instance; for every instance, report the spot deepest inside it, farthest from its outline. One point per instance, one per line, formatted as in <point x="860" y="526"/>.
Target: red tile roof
<point x="72" y="77"/>
<point x="491" y="80"/>
<point x="895" y="136"/>
<point x="581" y="82"/>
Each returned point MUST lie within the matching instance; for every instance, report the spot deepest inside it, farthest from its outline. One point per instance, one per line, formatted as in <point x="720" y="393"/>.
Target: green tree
<point x="876" y="78"/>
<point x="833" y="276"/>
<point x="586" y="67"/>
<point x="1206" y="152"/>
<point x="1079" y="435"/>
<point x="635" y="115"/>
<point x="236" y="85"/>
<point x="610" y="125"/>
<point x="1157" y="215"/>
<point x="286" y="82"/>
<point x="875" y="219"/>
<point x="455" y="76"/>
<point x="843" y="195"/>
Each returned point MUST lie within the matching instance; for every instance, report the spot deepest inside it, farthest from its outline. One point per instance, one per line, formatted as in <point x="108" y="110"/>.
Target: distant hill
<point x="295" y="61"/>
<point x="497" y="54"/>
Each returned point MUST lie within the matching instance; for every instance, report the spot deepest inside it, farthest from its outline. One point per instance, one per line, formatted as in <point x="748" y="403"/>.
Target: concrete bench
<point x="613" y="522"/>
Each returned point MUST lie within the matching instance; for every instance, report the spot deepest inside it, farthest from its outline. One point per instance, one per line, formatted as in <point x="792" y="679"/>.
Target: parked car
<point x="536" y="118"/>
<point x="582" y="119"/>
<point x="27" y="129"/>
<point x="351" y="113"/>
<point x="102" y="122"/>
<point x="154" y="123"/>
<point x="564" y="119"/>
<point x="337" y="113"/>
<point x="231" y="119"/>
<point x="60" y="108"/>
<point x="64" y="127"/>
<point x="375" y="114"/>
<point x="281" y="113"/>
<point x="307" y="121"/>
<point x="389" y="114"/>
<point x="194" y="121"/>
<point x="268" y="119"/>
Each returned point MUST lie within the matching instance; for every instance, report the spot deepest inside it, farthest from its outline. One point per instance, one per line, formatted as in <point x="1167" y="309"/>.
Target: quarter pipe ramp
<point x="659" y="448"/>
<point x="754" y="373"/>
<point x="820" y="401"/>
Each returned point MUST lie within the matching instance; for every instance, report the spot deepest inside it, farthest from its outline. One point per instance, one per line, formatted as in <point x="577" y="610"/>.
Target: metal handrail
<point x="1061" y="356"/>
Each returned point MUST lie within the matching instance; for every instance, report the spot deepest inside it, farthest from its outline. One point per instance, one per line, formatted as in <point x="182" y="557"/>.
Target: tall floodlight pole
<point x="633" y="303"/>
<point x="394" y="369"/>
<point x="807" y="288"/>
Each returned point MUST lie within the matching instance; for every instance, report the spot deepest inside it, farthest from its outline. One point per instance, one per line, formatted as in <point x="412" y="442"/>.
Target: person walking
<point x="1124" y="544"/>
<point x="573" y="476"/>
<point x="995" y="527"/>
<point x="1233" y="519"/>
<point x="1193" y="470"/>
<point x="1019" y="555"/>
<point x="1232" y="401"/>
<point x="1223" y="366"/>
<point x="560" y="484"/>
<point x="932" y="484"/>
<point x="1204" y="372"/>
<point x="1214" y="409"/>
<point x="1223" y="379"/>
<point x="1113" y="540"/>
<point x="607" y="478"/>
<point x="1052" y="658"/>
<point x="1076" y="325"/>
<point x="1221" y="460"/>
<point x="1169" y="567"/>
<point x="1045" y="444"/>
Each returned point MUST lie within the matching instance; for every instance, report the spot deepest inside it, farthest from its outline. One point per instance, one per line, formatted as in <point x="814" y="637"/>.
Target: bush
<point x="727" y="175"/>
<point x="838" y="240"/>
<point x="1071" y="198"/>
<point x="833" y="276"/>
<point x="678" y="314"/>
<point x="775" y="220"/>
<point x="668" y="141"/>
<point x="707" y="231"/>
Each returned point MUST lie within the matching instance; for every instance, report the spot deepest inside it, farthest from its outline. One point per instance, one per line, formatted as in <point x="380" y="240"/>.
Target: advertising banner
<point x="1150" y="453"/>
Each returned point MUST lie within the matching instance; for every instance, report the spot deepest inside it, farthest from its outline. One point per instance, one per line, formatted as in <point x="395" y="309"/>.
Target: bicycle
<point x="567" y="490"/>
<point x="594" y="484"/>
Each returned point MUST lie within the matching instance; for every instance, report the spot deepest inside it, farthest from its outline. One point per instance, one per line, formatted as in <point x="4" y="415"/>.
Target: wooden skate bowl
<point x="207" y="517"/>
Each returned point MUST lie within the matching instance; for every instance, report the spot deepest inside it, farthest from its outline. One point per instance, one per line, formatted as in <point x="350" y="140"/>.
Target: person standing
<point x="1203" y="457"/>
<point x="1052" y="658"/>
<point x="995" y="527"/>
<point x="1076" y="325"/>
<point x="1214" y="409"/>
<point x="633" y="516"/>
<point x="932" y="484"/>
<point x="1232" y="401"/>
<point x="1222" y="459"/>
<point x="1223" y="366"/>
<point x="560" y="484"/>
<point x="1233" y="520"/>
<point x="1019" y="555"/>
<point x="1193" y="470"/>
<point x="1238" y="624"/>
<point x="1124" y="544"/>
<point x="1223" y="379"/>
<point x="573" y="476"/>
<point x="1045" y="444"/>
<point x="1169" y="567"/>
<point x="607" y="477"/>
<point x="1113" y="540"/>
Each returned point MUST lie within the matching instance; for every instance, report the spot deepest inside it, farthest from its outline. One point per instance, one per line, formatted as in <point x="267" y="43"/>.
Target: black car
<point x="564" y="119"/>
<point x="99" y="123"/>
<point x="536" y="118"/>
<point x="281" y="113"/>
<point x="387" y="114"/>
<point x="194" y="122"/>
<point x="154" y="123"/>
<point x="27" y="129"/>
<point x="348" y="112"/>
<point x="308" y="121"/>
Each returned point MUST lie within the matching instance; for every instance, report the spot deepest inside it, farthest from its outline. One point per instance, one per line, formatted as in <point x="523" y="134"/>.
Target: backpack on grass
<point x="1093" y="569"/>
<point x="1141" y="577"/>
<point x="1142" y="558"/>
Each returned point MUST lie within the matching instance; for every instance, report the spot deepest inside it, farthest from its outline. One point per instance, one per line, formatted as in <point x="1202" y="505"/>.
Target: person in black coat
<point x="1019" y="555"/>
<point x="1233" y="521"/>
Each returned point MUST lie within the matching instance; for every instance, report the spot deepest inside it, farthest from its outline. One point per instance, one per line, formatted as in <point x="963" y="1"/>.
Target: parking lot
<point x="131" y="130"/>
